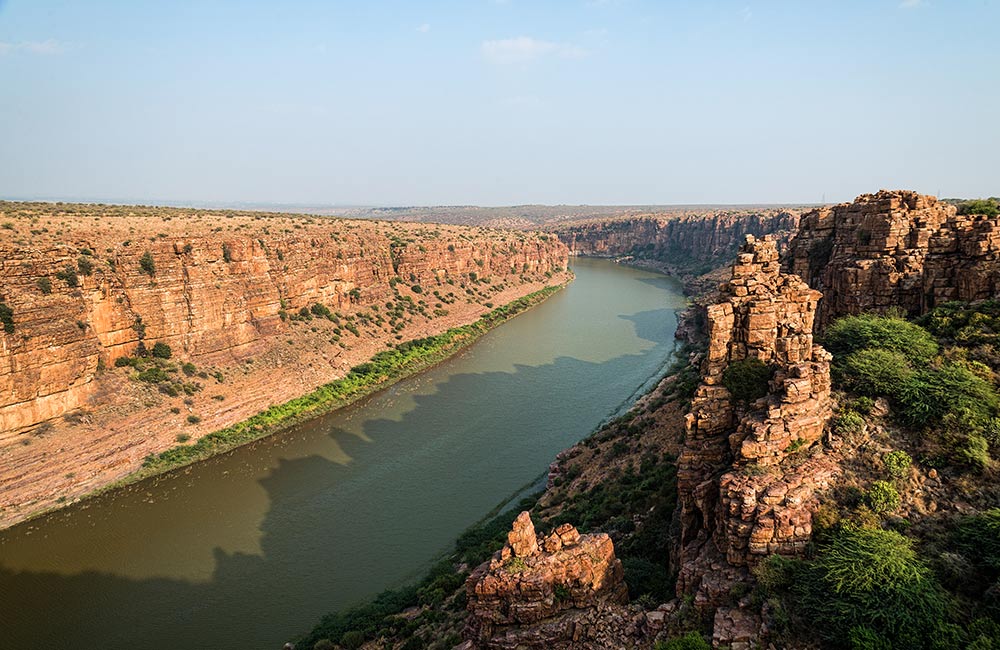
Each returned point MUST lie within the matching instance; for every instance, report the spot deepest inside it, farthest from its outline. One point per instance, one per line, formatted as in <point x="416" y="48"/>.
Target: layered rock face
<point x="895" y="249"/>
<point x="211" y="297"/>
<point x="226" y="291"/>
<point x="543" y="592"/>
<point x="742" y="492"/>
<point x="689" y="241"/>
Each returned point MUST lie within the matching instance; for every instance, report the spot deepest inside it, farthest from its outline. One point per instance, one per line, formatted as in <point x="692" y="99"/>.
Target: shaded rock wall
<point x="693" y="243"/>
<point x="741" y="492"/>
<point x="895" y="249"/>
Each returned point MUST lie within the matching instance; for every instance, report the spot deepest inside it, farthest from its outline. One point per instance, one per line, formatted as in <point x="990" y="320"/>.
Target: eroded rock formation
<point x="545" y="592"/>
<point x="745" y="490"/>
<point x="685" y="242"/>
<point x="895" y="250"/>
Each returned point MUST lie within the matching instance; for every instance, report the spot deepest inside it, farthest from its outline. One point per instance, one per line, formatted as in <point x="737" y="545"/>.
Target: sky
<point x="498" y="102"/>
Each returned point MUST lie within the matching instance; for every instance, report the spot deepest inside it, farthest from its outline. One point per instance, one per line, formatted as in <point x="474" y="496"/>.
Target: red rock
<point x="522" y="599"/>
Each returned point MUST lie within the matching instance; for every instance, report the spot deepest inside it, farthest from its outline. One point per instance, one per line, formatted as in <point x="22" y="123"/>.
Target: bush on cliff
<point x="747" y="379"/>
<point x="854" y="333"/>
<point x="161" y="350"/>
<point x="690" y="641"/>
<point x="888" y="356"/>
<point x="866" y="584"/>
<point x="7" y="318"/>
<point x="147" y="265"/>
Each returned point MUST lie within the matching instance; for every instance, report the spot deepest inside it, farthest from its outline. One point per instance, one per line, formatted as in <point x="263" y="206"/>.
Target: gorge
<point x="833" y="396"/>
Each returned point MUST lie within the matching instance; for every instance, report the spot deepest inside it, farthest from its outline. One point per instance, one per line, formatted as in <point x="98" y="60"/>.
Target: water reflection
<point x="248" y="549"/>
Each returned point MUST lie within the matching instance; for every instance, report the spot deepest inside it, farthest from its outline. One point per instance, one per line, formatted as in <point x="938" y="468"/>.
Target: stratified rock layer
<point x="895" y="250"/>
<point x="739" y="499"/>
<point x="540" y="592"/>
<point x="231" y="294"/>
<point x="683" y="241"/>
<point x="211" y="297"/>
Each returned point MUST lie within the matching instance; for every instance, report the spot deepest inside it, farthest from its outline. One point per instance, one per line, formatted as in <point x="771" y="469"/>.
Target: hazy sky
<point x="498" y="102"/>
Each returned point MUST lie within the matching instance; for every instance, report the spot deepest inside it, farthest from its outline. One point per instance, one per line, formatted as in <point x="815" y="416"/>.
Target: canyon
<point x="742" y="436"/>
<point x="239" y="296"/>
<point x="686" y="243"/>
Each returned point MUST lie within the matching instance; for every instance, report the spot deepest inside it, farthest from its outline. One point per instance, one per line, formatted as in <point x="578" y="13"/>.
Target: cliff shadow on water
<point x="416" y="465"/>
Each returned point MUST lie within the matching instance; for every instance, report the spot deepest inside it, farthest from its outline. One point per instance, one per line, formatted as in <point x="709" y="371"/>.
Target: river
<point x="250" y="548"/>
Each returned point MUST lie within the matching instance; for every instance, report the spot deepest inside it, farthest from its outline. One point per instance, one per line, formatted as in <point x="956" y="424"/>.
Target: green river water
<point x="248" y="549"/>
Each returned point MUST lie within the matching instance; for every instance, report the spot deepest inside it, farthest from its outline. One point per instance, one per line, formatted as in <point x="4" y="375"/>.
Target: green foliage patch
<point x="747" y="379"/>
<point x="854" y="333"/>
<point x="7" y="318"/>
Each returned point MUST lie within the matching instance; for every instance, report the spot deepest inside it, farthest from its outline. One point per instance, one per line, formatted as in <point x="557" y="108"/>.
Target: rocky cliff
<point x="544" y="592"/>
<point x="746" y="481"/>
<point x="687" y="242"/>
<point x="233" y="293"/>
<point x="895" y="250"/>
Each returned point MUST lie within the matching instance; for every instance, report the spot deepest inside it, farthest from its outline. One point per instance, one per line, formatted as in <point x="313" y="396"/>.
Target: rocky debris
<point x="739" y="498"/>
<point x="548" y="592"/>
<point x="735" y="628"/>
<point x="895" y="250"/>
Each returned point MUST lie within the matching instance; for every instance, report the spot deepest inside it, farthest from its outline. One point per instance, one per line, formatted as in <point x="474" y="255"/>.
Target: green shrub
<point x="872" y="579"/>
<point x="161" y="350"/>
<point x="854" y="333"/>
<point x="897" y="463"/>
<point x="85" y="265"/>
<point x="152" y="375"/>
<point x="882" y="496"/>
<point x="121" y="362"/>
<point x="645" y="577"/>
<point x="193" y="419"/>
<point x="324" y="644"/>
<point x="353" y="639"/>
<point x="44" y="285"/>
<point x="188" y="368"/>
<point x="874" y="372"/>
<point x="975" y="452"/>
<point x="227" y="253"/>
<point x="69" y="276"/>
<point x="7" y="318"/>
<point x="147" y="265"/>
<point x="747" y="379"/>
<point x="690" y="641"/>
<point x="987" y="207"/>
<point x="931" y="394"/>
<point x="848" y="423"/>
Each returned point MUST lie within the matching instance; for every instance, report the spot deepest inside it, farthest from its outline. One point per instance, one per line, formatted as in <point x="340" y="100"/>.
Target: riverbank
<point x="374" y="373"/>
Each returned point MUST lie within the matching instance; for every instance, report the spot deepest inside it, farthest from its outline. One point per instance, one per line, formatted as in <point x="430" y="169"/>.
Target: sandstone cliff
<point x="746" y="486"/>
<point x="544" y="592"/>
<point x="87" y="285"/>
<point x="895" y="249"/>
<point x="684" y="243"/>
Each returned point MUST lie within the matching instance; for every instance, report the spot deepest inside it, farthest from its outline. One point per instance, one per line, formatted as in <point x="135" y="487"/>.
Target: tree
<point x="147" y="264"/>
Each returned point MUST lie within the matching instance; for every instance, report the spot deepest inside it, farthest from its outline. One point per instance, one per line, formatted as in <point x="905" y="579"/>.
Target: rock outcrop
<point x="745" y="489"/>
<point x="544" y="592"/>
<point x="686" y="242"/>
<point x="895" y="250"/>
